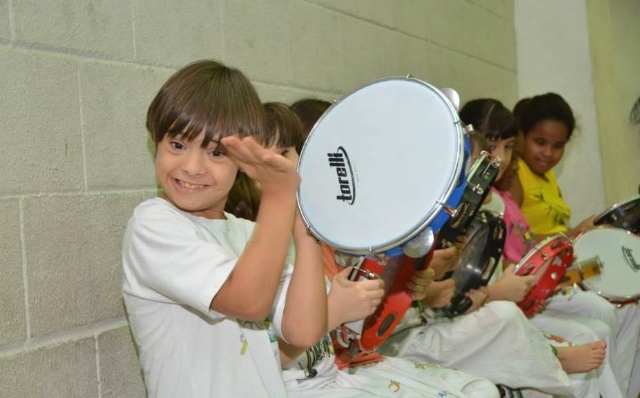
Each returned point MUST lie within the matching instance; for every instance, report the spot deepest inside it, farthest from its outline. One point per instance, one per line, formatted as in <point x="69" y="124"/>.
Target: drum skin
<point x="619" y="252"/>
<point x="368" y="183"/>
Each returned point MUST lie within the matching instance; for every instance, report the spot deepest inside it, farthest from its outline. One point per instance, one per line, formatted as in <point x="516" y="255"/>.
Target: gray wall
<point x="76" y="79"/>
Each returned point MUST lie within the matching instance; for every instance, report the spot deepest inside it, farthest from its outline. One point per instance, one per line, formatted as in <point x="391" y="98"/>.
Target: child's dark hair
<point x="493" y="121"/>
<point x="206" y="96"/>
<point x="490" y="117"/>
<point x="309" y="111"/>
<point x="530" y="111"/>
<point x="283" y="130"/>
<point x="283" y="125"/>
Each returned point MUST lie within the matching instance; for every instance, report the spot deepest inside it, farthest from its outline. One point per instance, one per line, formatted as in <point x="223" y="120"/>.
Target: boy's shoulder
<point x="154" y="207"/>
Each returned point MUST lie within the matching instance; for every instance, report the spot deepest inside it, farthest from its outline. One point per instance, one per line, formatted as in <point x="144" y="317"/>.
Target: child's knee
<point x="507" y="311"/>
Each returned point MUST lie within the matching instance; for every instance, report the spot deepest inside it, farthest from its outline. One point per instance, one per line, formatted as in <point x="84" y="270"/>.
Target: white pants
<point x="495" y="342"/>
<point x="619" y="327"/>
<point x="397" y="377"/>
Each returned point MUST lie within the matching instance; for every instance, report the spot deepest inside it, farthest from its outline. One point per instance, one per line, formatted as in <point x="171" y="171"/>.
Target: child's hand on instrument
<point x="443" y="260"/>
<point x="419" y="282"/>
<point x="478" y="298"/>
<point x="513" y="287"/>
<point x="439" y="293"/>
<point x="274" y="173"/>
<point x="584" y="225"/>
<point x="354" y="300"/>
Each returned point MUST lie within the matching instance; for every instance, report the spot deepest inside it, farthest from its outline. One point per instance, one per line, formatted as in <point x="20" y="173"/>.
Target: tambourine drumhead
<point x="378" y="164"/>
<point x="619" y="251"/>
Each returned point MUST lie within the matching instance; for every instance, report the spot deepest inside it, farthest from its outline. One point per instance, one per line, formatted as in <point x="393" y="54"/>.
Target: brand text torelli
<point x="346" y="181"/>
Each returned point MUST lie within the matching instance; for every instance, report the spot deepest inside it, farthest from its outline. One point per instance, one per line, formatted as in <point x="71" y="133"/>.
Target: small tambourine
<point x="478" y="260"/>
<point x="367" y="335"/>
<point x="625" y="215"/>
<point x="549" y="261"/>
<point x="479" y="181"/>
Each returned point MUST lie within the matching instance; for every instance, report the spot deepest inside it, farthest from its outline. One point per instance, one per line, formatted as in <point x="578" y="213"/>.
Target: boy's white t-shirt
<point x="174" y="264"/>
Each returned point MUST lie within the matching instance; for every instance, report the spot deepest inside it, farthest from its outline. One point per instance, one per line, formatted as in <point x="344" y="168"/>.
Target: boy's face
<point x="503" y="149"/>
<point x="544" y="145"/>
<point x="195" y="179"/>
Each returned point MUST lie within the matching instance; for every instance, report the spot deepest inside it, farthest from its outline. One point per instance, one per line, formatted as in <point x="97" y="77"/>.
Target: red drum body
<point x="549" y="261"/>
<point x="396" y="273"/>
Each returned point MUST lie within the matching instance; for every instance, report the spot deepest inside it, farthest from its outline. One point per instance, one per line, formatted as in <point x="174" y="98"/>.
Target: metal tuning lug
<point x="453" y="97"/>
<point x="420" y="244"/>
<point x="451" y="211"/>
<point x="468" y="128"/>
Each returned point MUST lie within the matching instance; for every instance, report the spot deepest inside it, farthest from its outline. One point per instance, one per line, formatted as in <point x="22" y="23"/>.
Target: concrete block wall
<point x="76" y="79"/>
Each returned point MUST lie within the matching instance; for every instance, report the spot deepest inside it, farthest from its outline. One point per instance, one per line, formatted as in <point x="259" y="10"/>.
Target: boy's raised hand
<point x="274" y="172"/>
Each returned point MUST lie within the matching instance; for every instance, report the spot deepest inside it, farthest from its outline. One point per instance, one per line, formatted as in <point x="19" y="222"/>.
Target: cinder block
<point x="417" y="56"/>
<point x="42" y="149"/>
<point x="473" y="78"/>
<point x="12" y="316"/>
<point x="257" y="39"/>
<point x="315" y="48"/>
<point x="73" y="247"/>
<point x="120" y="372"/>
<point x="115" y="101"/>
<point x="501" y="8"/>
<point x="411" y="17"/>
<point x="5" y="32"/>
<point x="289" y="95"/>
<point x="67" y="370"/>
<point x="364" y="54"/>
<point x="465" y="27"/>
<point x="379" y="11"/>
<point x="176" y="33"/>
<point x="103" y="28"/>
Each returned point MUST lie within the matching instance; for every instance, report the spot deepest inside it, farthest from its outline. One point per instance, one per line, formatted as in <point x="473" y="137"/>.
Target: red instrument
<point x="549" y="261"/>
<point x="367" y="335"/>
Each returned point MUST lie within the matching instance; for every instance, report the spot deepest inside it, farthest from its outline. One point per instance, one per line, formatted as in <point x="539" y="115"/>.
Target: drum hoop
<point x="536" y="249"/>
<point x="611" y="297"/>
<point x="492" y="249"/>
<point x="600" y="217"/>
<point x="440" y="202"/>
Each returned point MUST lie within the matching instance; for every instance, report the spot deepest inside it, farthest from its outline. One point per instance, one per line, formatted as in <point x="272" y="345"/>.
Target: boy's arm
<point x="250" y="289"/>
<point x="304" y="320"/>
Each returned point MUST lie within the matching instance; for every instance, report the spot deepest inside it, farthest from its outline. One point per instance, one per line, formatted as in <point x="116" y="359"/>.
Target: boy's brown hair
<point x="206" y="96"/>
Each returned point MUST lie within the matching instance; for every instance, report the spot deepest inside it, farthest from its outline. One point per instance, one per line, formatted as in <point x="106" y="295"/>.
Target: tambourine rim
<point x="599" y="219"/>
<point x="494" y="222"/>
<point x="399" y="240"/>
<point x="622" y="300"/>
<point x="484" y="155"/>
<point x="536" y="249"/>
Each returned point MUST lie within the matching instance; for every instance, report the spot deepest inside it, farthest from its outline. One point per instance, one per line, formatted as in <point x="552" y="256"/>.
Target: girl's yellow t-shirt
<point x="542" y="204"/>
